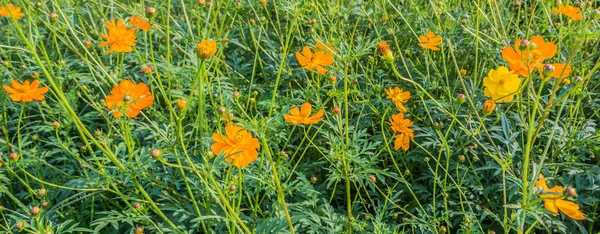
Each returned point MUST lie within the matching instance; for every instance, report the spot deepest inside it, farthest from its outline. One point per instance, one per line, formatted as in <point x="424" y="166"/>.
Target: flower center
<point x="127" y="98"/>
<point x="501" y="81"/>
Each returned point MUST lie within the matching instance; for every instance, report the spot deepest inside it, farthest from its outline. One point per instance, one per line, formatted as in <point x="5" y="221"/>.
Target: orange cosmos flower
<point x="237" y="145"/>
<point x="430" y="41"/>
<point x="309" y="60"/>
<point x="119" y="38"/>
<point x="11" y="10"/>
<point x="568" y="10"/>
<point x="25" y="92"/>
<point x="398" y="97"/>
<point x="554" y="200"/>
<point x="129" y="97"/>
<point x="139" y="23"/>
<point x="401" y="125"/>
<point x="302" y="115"/>
<point x="325" y="48"/>
<point x="206" y="48"/>
<point x="403" y="141"/>
<point x="529" y="55"/>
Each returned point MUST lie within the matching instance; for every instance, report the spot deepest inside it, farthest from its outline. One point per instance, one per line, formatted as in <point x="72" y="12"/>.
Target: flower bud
<point x="232" y="188"/>
<point x="13" y="156"/>
<point x="372" y="178"/>
<point x="53" y="17"/>
<point x="333" y="79"/>
<point x="221" y="109"/>
<point x="35" y="74"/>
<point x="156" y="154"/>
<point x="87" y="44"/>
<point x="236" y="94"/>
<point x="336" y="110"/>
<point x="150" y="12"/>
<point x="547" y="70"/>
<point x="238" y="4"/>
<point x="139" y="230"/>
<point x="571" y="192"/>
<point x="137" y="205"/>
<point x="313" y="179"/>
<point x="463" y="71"/>
<point x="146" y="70"/>
<point x="56" y="124"/>
<point x="351" y="218"/>
<point x="252" y="21"/>
<point x="426" y="159"/>
<point x="578" y="79"/>
<point x="460" y="97"/>
<point x="20" y="225"/>
<point x="42" y="192"/>
<point x="35" y="211"/>
<point x="524" y="44"/>
<point x="488" y="106"/>
<point x="202" y="2"/>
<point x="443" y="229"/>
<point x="44" y="204"/>
<point x="206" y="49"/>
<point x="566" y="82"/>
<point x="38" y="4"/>
<point x="461" y="158"/>
<point x="384" y="48"/>
<point x="263" y="2"/>
<point x="181" y="103"/>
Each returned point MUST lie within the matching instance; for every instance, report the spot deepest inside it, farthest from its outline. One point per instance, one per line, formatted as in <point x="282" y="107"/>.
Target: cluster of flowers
<point x="400" y="125"/>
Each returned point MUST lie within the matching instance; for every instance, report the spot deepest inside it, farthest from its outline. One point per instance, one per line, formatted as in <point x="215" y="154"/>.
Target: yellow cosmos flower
<point x="430" y="41"/>
<point x="302" y="115"/>
<point x="119" y="38"/>
<point x="11" y="10"/>
<point x="568" y="10"/>
<point x="554" y="200"/>
<point x="237" y="145"/>
<point x="206" y="49"/>
<point x="501" y="85"/>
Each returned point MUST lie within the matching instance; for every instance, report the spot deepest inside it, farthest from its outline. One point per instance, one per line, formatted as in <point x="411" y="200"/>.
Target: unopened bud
<point x="461" y="158"/>
<point x="42" y="192"/>
<point x="156" y="154"/>
<point x="566" y="82"/>
<point x="336" y="110"/>
<point x="547" y="70"/>
<point x="35" y="211"/>
<point x="524" y="44"/>
<point x="53" y="17"/>
<point x="221" y="109"/>
<point x="150" y="12"/>
<point x="56" y="124"/>
<point x="571" y="192"/>
<point x="13" y="156"/>
<point x="139" y="230"/>
<point x="232" y="188"/>
<point x="460" y="97"/>
<point x="372" y="178"/>
<point x="20" y="225"/>
<point x="137" y="205"/>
